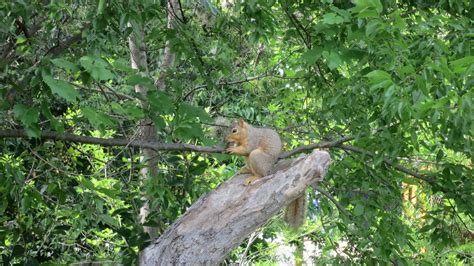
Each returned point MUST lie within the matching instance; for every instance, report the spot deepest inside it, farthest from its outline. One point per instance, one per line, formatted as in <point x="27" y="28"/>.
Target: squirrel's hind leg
<point x="244" y="170"/>
<point x="260" y="164"/>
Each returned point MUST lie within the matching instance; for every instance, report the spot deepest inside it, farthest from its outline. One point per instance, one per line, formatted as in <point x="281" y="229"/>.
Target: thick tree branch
<point x="219" y="221"/>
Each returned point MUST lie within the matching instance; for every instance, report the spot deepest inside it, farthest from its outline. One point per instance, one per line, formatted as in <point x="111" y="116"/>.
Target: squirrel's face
<point x="238" y="132"/>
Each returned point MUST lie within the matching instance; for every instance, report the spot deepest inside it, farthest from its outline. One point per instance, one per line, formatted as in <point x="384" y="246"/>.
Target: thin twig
<point x="389" y="162"/>
<point x="111" y="91"/>
<point x="333" y="200"/>
<point x="225" y="84"/>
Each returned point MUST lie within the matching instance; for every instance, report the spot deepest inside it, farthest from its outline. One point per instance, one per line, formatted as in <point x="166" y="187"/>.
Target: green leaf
<point x="21" y="39"/>
<point x="117" y="108"/>
<point x="332" y="18"/>
<point x="96" y="118"/>
<point x="187" y="131"/>
<point x="31" y="116"/>
<point x="379" y="79"/>
<point x="312" y="55"/>
<point x="33" y="131"/>
<point x="367" y="8"/>
<point x="100" y="7"/>
<point x="159" y="122"/>
<point x="378" y="76"/>
<point x="122" y="65"/>
<point x="27" y="116"/>
<point x="87" y="183"/>
<point x="189" y="112"/>
<point x="160" y="102"/>
<point x="422" y="108"/>
<point x="128" y="109"/>
<point x="96" y="67"/>
<point x="359" y="210"/>
<point x="333" y="58"/>
<point x="107" y="219"/>
<point x="66" y="65"/>
<point x="460" y="65"/>
<point x="61" y="88"/>
<point x="410" y="181"/>
<point x="19" y="109"/>
<point x="361" y="5"/>
<point x="134" y="112"/>
<point x="466" y="248"/>
<point x="139" y="80"/>
<point x="373" y="27"/>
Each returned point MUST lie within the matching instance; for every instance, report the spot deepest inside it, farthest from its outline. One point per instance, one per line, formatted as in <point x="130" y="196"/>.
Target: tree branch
<point x="389" y="162"/>
<point x="226" y="84"/>
<point x="219" y="221"/>
<point x="320" y="145"/>
<point x="333" y="200"/>
<point x="66" y="43"/>
<point x="113" y="141"/>
<point x="111" y="91"/>
<point x="205" y="149"/>
<point x="7" y="52"/>
<point x="16" y="133"/>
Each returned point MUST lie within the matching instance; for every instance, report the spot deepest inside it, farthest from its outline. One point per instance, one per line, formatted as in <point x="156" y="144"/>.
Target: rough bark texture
<point x="219" y="221"/>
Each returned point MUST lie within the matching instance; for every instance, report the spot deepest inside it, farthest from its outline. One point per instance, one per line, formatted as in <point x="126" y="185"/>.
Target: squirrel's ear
<point x="241" y="122"/>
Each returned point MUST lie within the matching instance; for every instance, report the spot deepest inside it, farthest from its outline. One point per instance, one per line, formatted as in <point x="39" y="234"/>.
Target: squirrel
<point x="261" y="147"/>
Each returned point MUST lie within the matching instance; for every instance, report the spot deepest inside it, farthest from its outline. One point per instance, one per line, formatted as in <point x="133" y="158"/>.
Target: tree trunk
<point x="174" y="13"/>
<point x="146" y="129"/>
<point x="219" y="221"/>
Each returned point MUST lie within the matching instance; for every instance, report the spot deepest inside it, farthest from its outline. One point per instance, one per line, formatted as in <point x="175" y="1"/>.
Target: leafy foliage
<point x="396" y="75"/>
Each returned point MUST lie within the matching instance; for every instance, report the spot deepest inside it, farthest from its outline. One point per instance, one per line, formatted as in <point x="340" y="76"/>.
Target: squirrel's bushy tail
<point x="296" y="211"/>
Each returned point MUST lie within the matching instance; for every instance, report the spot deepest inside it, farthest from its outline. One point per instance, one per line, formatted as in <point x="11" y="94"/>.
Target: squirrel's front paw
<point x="250" y="179"/>
<point x="230" y="150"/>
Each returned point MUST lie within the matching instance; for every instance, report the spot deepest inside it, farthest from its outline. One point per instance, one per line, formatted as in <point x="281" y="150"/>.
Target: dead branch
<point x="219" y="221"/>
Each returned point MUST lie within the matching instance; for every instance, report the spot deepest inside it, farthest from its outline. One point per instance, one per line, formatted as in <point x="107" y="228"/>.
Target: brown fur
<point x="295" y="212"/>
<point x="260" y="146"/>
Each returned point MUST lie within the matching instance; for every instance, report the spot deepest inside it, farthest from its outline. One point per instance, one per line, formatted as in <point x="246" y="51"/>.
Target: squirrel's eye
<point x="234" y="130"/>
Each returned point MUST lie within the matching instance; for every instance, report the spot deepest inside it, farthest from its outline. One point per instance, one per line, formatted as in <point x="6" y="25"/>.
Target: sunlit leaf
<point x="61" y="88"/>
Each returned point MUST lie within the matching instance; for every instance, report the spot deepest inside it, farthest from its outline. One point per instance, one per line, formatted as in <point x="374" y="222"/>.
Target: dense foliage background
<point x="396" y="75"/>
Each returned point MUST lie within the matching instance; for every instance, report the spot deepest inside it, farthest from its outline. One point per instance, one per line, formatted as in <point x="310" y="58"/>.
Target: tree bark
<point x="174" y="13"/>
<point x="146" y="129"/>
<point x="219" y="221"/>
